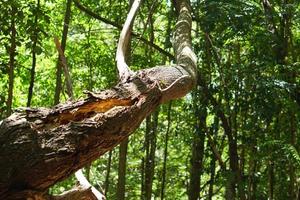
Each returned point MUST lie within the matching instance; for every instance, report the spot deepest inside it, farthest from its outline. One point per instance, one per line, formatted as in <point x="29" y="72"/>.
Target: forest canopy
<point x="234" y="136"/>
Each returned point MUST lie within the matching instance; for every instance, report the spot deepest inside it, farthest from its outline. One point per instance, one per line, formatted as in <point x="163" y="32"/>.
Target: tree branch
<point x="85" y="183"/>
<point x="124" y="71"/>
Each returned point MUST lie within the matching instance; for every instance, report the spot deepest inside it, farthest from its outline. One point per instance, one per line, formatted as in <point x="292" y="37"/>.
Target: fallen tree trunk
<point x="39" y="147"/>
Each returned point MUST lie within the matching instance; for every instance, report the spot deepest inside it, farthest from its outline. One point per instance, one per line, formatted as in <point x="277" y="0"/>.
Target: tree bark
<point x="54" y="143"/>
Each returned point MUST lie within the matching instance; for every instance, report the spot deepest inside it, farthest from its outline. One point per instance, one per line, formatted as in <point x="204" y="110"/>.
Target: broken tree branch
<point x="85" y="183"/>
<point x="79" y="175"/>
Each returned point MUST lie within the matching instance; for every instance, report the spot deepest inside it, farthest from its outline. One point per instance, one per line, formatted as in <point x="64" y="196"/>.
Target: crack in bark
<point x="87" y="111"/>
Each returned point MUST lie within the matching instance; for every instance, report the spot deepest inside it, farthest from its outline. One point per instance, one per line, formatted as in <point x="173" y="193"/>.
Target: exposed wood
<point x="54" y="143"/>
<point x="84" y="182"/>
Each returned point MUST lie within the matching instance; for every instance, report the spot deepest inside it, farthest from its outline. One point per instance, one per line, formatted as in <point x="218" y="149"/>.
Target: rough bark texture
<point x="39" y="147"/>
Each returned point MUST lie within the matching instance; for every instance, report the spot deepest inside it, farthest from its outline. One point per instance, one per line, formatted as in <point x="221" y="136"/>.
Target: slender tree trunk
<point x="122" y="170"/>
<point x="12" y="53"/>
<point x="108" y="167"/>
<point x="145" y="157"/>
<point x="199" y="105"/>
<point x="58" y="86"/>
<point x="271" y="179"/>
<point x="164" y="171"/>
<point x="143" y="177"/>
<point x="149" y="160"/>
<point x="212" y="177"/>
<point x="235" y="125"/>
<point x="197" y="151"/>
<point x="251" y="179"/>
<point x="35" y="39"/>
<point x="214" y="132"/>
<point x="291" y="77"/>
<point x="293" y="142"/>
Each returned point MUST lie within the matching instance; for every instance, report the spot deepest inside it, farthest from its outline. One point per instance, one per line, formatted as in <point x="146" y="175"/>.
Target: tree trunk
<point x="54" y="143"/>
<point x="214" y="131"/>
<point x="106" y="185"/>
<point x="164" y="171"/>
<point x="58" y="86"/>
<point x="12" y="53"/>
<point x="34" y="40"/>
<point x="271" y="179"/>
<point x="212" y="178"/>
<point x="122" y="170"/>
<point x="150" y="147"/>
<point x="252" y="171"/>
<point x="167" y="44"/>
<point x="198" y="149"/>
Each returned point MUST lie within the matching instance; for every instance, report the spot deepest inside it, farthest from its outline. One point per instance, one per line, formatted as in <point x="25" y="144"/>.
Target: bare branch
<point x="124" y="71"/>
<point x="85" y="183"/>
